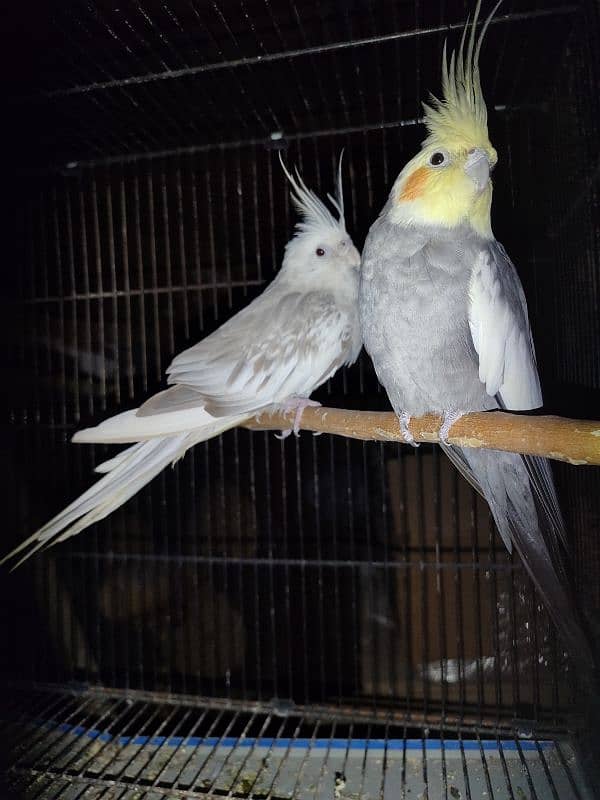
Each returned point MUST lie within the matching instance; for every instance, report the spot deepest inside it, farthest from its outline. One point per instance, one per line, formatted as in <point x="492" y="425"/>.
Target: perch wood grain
<point x="570" y="440"/>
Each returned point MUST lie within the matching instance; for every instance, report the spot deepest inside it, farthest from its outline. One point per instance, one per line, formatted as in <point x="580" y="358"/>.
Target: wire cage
<point x="314" y="617"/>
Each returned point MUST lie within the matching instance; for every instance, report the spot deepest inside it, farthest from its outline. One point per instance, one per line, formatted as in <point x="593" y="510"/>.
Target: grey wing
<point x="519" y="489"/>
<point x="502" y="337"/>
<point x="279" y="346"/>
<point x="500" y="330"/>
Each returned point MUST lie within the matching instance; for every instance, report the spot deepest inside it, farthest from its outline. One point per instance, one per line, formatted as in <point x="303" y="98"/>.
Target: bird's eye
<point x="437" y="159"/>
<point x="320" y="252"/>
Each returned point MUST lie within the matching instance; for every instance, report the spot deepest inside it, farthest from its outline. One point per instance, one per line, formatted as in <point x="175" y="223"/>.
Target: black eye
<point x="437" y="159"/>
<point x="320" y="252"/>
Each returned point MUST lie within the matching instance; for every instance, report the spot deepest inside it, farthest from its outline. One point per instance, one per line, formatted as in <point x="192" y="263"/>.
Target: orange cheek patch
<point x="415" y="184"/>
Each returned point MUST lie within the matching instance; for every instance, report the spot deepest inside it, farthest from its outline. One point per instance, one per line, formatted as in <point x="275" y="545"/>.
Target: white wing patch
<point x="500" y="330"/>
<point x="267" y="353"/>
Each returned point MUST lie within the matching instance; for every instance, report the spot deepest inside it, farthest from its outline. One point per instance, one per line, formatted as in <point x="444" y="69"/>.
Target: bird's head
<point x="321" y="245"/>
<point x="448" y="182"/>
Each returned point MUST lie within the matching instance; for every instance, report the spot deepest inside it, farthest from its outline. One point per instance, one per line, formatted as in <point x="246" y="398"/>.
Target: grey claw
<point x="404" y="419"/>
<point x="448" y="420"/>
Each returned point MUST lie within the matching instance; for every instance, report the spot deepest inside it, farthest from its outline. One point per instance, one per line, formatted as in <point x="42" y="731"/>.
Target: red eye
<point x="320" y="252"/>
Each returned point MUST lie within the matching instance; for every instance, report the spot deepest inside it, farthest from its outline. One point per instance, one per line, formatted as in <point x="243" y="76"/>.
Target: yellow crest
<point x="461" y="114"/>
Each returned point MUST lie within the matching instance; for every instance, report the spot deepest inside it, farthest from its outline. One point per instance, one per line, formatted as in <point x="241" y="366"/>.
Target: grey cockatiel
<point x="444" y="319"/>
<point x="277" y="350"/>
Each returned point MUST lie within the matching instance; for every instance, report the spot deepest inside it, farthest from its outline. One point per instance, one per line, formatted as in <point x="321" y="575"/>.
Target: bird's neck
<point x="480" y="217"/>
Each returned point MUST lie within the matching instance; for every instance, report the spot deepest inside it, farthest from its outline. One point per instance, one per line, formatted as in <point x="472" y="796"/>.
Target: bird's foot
<point x="297" y="404"/>
<point x="448" y="420"/>
<point x="404" y="419"/>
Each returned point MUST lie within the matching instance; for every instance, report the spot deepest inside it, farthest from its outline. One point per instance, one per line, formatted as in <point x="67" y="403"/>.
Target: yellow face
<point x="447" y="186"/>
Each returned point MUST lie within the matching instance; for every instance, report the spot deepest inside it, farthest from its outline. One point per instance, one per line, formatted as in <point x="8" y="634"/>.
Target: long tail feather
<point x="124" y="475"/>
<point x="130" y="426"/>
<point x="521" y="495"/>
<point x="137" y="466"/>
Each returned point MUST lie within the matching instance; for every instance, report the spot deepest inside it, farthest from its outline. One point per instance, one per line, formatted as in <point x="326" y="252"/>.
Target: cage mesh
<point x="100" y="744"/>
<point x="148" y="207"/>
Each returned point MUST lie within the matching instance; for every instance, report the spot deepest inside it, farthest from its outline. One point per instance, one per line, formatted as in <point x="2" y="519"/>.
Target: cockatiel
<point x="444" y="319"/>
<point x="276" y="351"/>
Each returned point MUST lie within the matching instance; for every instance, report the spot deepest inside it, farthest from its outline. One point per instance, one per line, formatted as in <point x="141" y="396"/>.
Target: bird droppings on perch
<point x="576" y="442"/>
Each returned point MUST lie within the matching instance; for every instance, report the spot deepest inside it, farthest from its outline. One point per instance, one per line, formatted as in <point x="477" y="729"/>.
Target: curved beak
<point x="477" y="167"/>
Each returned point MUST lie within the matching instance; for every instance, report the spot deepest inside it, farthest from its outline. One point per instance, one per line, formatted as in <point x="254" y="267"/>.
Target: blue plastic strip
<point x="431" y="745"/>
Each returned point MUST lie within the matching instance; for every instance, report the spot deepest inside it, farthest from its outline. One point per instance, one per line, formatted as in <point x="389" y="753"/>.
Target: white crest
<point x="315" y="216"/>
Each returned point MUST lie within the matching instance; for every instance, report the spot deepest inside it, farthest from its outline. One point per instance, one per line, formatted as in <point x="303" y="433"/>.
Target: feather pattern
<point x="245" y="365"/>
<point x="280" y="348"/>
<point x="128" y="473"/>
<point x="499" y="326"/>
<point x="444" y="318"/>
<point x="461" y="113"/>
<point x="422" y="293"/>
<point x="314" y="214"/>
<point x="130" y="426"/>
<point x="521" y="496"/>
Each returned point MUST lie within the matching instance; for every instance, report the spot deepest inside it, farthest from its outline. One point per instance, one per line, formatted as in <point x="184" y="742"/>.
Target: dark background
<point x="144" y="205"/>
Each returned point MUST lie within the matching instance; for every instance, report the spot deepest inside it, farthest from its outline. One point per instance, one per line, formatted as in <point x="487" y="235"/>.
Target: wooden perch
<point x="570" y="440"/>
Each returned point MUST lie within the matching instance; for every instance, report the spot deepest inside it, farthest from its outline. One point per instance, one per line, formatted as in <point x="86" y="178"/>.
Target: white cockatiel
<point x="444" y="319"/>
<point x="276" y="351"/>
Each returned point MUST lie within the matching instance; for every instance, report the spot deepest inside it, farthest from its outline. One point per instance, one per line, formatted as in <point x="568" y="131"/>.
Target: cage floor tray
<point x="90" y="746"/>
